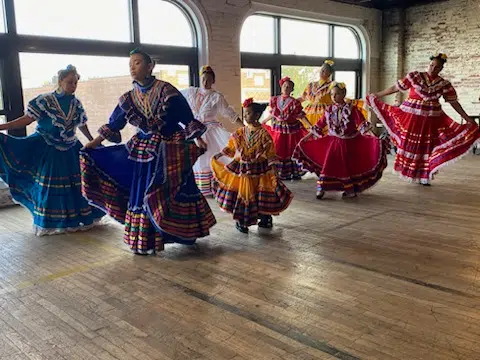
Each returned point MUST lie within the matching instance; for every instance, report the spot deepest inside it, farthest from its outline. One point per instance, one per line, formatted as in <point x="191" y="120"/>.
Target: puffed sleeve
<point x="362" y="125"/>
<point x="318" y="128"/>
<point x="449" y="93"/>
<point x="298" y="109"/>
<point x="405" y="83"/>
<point x="36" y="107"/>
<point x="226" y="110"/>
<point x="117" y="122"/>
<point x="230" y="149"/>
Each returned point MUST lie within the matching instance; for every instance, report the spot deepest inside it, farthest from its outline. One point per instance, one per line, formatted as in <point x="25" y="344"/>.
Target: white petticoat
<point x="216" y="138"/>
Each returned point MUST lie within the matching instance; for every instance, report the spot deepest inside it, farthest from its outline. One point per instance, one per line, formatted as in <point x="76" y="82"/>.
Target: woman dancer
<point x="425" y="137"/>
<point x="207" y="104"/>
<point x="43" y="170"/>
<point x="148" y="184"/>
<point x="286" y="129"/>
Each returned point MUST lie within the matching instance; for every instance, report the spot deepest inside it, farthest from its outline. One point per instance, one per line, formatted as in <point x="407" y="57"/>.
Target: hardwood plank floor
<point x="393" y="274"/>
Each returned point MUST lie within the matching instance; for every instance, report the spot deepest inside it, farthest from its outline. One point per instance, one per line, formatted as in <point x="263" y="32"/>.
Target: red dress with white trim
<point x="286" y="131"/>
<point x="345" y="159"/>
<point x="425" y="137"/>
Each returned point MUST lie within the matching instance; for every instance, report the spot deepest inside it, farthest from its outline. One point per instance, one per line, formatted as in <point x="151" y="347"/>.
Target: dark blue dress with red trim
<point x="43" y="170"/>
<point x="148" y="183"/>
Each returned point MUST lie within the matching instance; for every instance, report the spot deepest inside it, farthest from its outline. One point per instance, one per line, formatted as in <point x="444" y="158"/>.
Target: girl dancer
<point x="248" y="187"/>
<point x="148" y="184"/>
<point x="345" y="159"/>
<point x="286" y="129"/>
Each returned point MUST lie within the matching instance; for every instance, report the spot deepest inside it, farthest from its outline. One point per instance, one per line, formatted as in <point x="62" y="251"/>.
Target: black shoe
<point x="241" y="228"/>
<point x="265" y="222"/>
<point x="346" y="195"/>
<point x="320" y="195"/>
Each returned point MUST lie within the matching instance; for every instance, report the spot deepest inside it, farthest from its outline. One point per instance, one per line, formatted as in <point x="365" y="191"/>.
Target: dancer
<point x="425" y="137"/>
<point x="207" y="104"/>
<point x="346" y="159"/>
<point x="148" y="184"/>
<point x="248" y="187"/>
<point x="286" y="129"/>
<point x="43" y="170"/>
<point x="317" y="94"/>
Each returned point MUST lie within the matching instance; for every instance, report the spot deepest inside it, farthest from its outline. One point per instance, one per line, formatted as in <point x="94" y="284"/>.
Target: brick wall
<point x="451" y="27"/>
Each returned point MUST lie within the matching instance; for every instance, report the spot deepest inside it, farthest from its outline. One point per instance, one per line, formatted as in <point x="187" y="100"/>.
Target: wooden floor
<point x="393" y="274"/>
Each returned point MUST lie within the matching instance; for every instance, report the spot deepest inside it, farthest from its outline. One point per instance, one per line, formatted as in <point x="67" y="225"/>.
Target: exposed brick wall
<point x="450" y="27"/>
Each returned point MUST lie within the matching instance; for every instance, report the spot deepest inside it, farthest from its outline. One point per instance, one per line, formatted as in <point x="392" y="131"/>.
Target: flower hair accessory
<point x="70" y="67"/>
<point x="247" y="102"/>
<point x="339" y="85"/>
<point x="439" y="56"/>
<point x="284" y="80"/>
<point x="329" y="62"/>
<point x="206" y="69"/>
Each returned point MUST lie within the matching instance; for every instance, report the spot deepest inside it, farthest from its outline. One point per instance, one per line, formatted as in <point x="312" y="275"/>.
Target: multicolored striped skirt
<point x="248" y="196"/>
<point x="157" y="201"/>
<point x="47" y="182"/>
<point x="216" y="138"/>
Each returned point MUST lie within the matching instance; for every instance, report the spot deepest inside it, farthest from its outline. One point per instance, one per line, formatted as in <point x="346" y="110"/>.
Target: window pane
<point x="350" y="80"/>
<point x="2" y="17"/>
<point x="177" y="75"/>
<point x="3" y="120"/>
<point x="163" y="23"/>
<point x="86" y="19"/>
<point x="304" y="38"/>
<point x="256" y="84"/>
<point x="345" y="43"/>
<point x="301" y="76"/>
<point x="258" y="35"/>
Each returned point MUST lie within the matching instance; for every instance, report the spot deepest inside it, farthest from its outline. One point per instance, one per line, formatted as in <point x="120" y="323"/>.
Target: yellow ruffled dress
<point x="248" y="186"/>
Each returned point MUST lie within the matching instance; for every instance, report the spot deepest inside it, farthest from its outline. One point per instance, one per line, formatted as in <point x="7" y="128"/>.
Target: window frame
<point x="14" y="44"/>
<point x="274" y="62"/>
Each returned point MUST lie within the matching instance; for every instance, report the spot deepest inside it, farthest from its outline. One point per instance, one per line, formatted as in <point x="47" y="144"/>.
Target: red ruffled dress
<point x="286" y="131"/>
<point x="425" y="137"/>
<point x="345" y="159"/>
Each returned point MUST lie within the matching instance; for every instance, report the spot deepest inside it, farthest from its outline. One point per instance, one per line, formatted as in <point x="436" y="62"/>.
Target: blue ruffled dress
<point x="148" y="184"/>
<point x="43" y="170"/>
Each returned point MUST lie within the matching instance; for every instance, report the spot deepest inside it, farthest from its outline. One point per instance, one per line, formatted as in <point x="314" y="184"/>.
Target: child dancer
<point x="345" y="159"/>
<point x="248" y="187"/>
<point x="286" y="129"/>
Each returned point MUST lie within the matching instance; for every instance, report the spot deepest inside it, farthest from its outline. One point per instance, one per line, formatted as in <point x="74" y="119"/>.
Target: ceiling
<point x="387" y="4"/>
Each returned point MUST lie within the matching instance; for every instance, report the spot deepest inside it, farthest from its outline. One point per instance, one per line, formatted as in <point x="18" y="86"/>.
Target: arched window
<point x="273" y="47"/>
<point x="164" y="23"/>
<point x="96" y="36"/>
